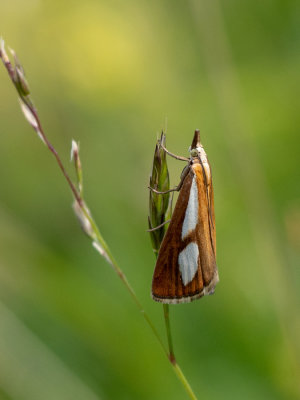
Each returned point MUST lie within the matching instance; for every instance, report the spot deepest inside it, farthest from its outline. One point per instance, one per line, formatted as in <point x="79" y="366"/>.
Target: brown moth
<point x="186" y="265"/>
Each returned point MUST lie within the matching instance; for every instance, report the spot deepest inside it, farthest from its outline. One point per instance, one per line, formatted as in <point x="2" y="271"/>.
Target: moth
<point x="186" y="266"/>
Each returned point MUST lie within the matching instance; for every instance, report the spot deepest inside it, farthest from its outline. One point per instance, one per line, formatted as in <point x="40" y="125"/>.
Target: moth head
<point x="193" y="152"/>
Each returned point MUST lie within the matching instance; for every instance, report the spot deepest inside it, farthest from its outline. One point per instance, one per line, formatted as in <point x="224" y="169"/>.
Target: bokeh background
<point x="112" y="74"/>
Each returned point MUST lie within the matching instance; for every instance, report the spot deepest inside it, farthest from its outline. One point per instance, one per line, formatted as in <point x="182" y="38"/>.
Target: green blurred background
<point x="110" y="74"/>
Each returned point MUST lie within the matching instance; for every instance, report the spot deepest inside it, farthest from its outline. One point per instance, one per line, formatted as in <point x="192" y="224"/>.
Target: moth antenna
<point x="196" y="141"/>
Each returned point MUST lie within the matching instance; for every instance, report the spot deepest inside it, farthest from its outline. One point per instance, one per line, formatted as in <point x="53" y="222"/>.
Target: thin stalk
<point x="184" y="381"/>
<point x="169" y="334"/>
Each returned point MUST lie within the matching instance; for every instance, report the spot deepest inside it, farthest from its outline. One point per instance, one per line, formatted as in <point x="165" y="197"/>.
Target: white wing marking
<point x="188" y="262"/>
<point x="191" y="213"/>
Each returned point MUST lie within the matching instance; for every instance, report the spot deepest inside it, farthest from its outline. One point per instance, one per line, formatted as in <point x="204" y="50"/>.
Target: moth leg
<point x="173" y="155"/>
<point x="159" y="226"/>
<point x="176" y="188"/>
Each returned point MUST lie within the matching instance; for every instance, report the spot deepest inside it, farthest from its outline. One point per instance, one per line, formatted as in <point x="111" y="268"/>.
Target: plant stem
<point x="184" y="381"/>
<point x="169" y="335"/>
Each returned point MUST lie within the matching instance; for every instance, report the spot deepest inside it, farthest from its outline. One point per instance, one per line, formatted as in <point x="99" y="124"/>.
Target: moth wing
<point x="167" y="284"/>
<point x="186" y="266"/>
